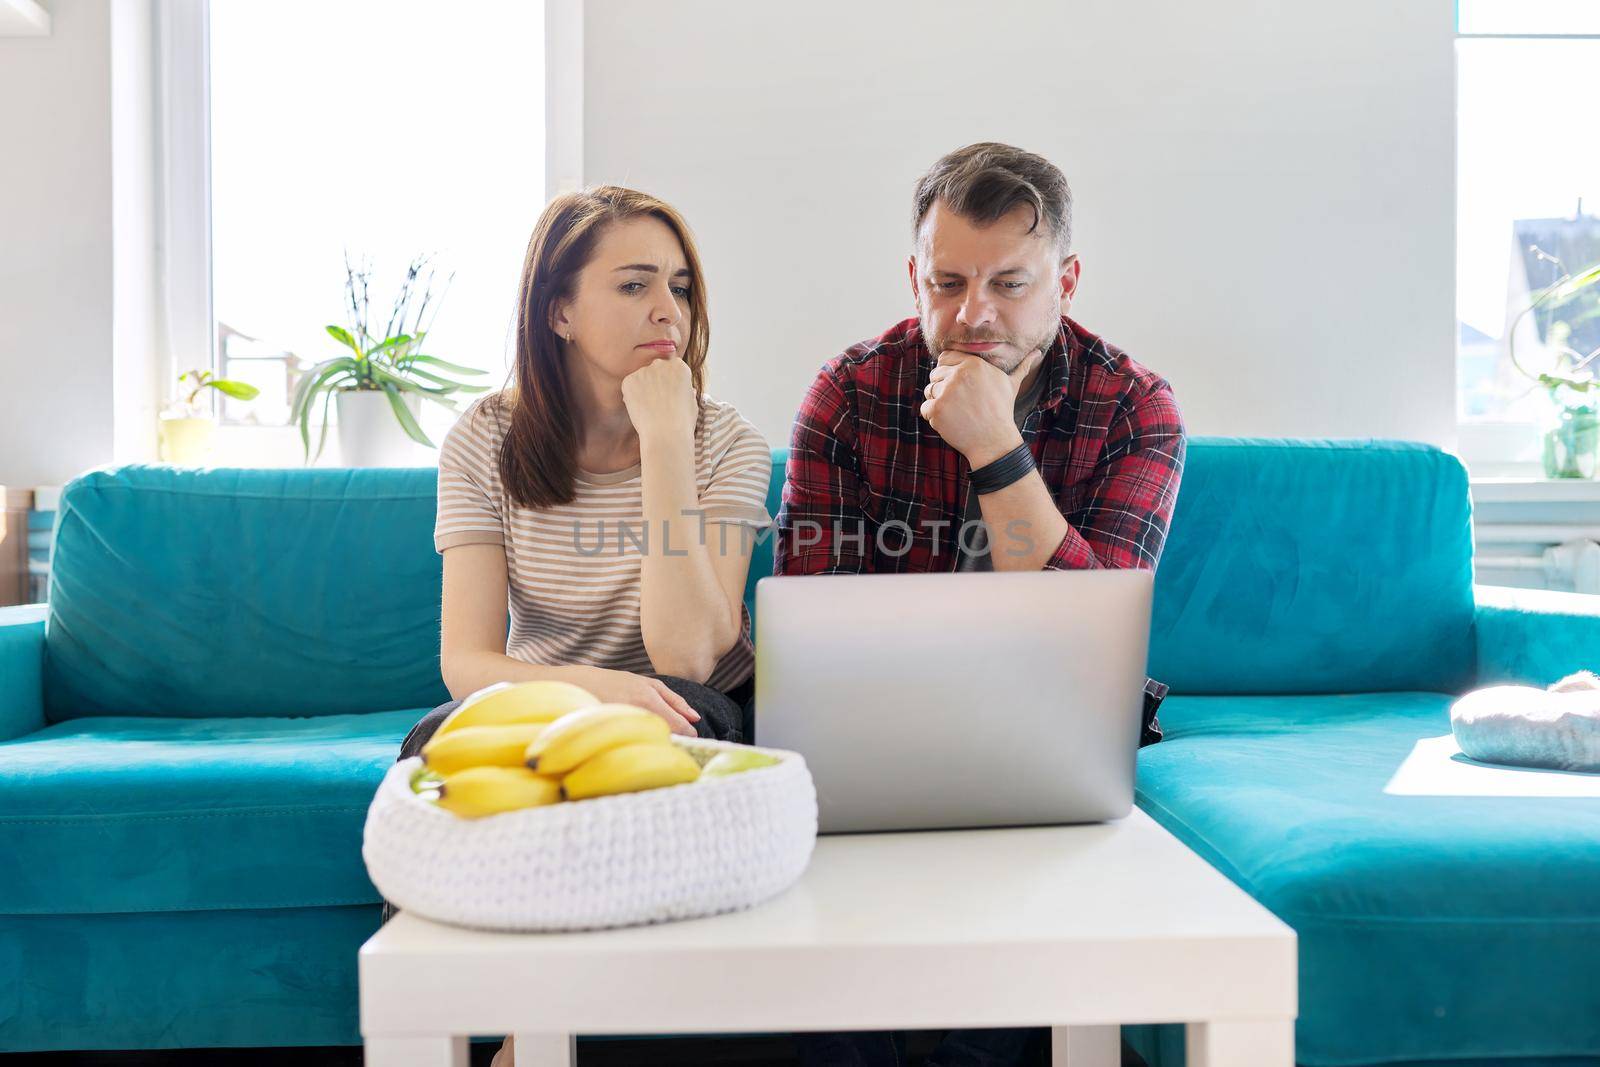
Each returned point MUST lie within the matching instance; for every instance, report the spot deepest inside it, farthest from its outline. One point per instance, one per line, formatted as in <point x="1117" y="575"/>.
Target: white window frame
<point x="183" y="152"/>
<point x="183" y="186"/>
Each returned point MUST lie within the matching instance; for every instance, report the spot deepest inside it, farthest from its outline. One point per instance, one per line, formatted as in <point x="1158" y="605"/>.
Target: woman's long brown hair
<point x="538" y="458"/>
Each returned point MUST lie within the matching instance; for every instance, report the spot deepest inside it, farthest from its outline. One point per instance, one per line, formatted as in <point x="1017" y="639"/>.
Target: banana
<point x="629" y="769"/>
<point x="512" y="702"/>
<point x="581" y="735"/>
<point x="480" y="746"/>
<point x="479" y="791"/>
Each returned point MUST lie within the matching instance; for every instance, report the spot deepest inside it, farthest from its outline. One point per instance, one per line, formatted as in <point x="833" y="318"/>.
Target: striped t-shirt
<point x="573" y="570"/>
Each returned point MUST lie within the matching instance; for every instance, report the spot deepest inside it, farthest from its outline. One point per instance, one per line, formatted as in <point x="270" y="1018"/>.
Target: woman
<point x="602" y="495"/>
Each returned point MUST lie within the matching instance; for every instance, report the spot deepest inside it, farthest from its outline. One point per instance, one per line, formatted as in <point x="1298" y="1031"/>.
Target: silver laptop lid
<point x="925" y="701"/>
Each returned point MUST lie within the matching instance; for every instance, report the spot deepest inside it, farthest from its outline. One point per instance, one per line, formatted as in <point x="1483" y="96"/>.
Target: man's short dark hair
<point x="984" y="181"/>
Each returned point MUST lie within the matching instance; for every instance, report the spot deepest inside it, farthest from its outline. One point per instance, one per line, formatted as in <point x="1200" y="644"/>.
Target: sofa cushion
<point x="112" y="814"/>
<point x="1316" y="567"/>
<point x="1431" y="927"/>
<point x="205" y="593"/>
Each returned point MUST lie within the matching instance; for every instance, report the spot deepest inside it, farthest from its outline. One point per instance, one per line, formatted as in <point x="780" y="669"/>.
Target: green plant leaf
<point x="304" y="419"/>
<point x="454" y="368"/>
<point x="444" y="401"/>
<point x="423" y="390"/>
<point x="386" y="378"/>
<point x="326" y="383"/>
<point x="237" y="390"/>
<point x="1573" y="285"/>
<point x="445" y="385"/>
<point x="406" y="385"/>
<point x="446" y="389"/>
<point x="316" y="379"/>
<point x="322" y="441"/>
<point x="342" y="335"/>
<point x="407" y="421"/>
<point x="303" y="386"/>
<point x="1555" y="383"/>
<point x="404" y="338"/>
<point x="434" y="378"/>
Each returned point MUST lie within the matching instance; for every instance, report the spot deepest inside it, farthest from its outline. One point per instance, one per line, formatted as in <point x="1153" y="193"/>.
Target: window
<point x="381" y="131"/>
<point x="1528" y="211"/>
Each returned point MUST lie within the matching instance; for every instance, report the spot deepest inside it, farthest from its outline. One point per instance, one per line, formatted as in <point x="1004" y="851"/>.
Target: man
<point x="989" y="432"/>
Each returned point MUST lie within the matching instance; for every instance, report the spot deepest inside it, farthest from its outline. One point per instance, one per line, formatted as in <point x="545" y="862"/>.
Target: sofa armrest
<point x="1535" y="636"/>
<point x="21" y="670"/>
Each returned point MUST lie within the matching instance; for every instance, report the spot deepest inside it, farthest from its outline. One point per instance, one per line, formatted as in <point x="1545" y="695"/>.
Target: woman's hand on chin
<point x="660" y="400"/>
<point x="652" y="694"/>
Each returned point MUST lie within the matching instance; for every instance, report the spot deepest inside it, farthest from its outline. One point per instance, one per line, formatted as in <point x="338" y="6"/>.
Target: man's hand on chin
<point x="970" y="403"/>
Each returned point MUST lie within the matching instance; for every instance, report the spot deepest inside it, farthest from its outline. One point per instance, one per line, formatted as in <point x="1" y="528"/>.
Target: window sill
<point x="1535" y="490"/>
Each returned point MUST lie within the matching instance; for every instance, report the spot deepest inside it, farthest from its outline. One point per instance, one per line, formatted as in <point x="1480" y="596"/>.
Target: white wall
<point x="1265" y="195"/>
<point x="55" y="248"/>
<point x="1265" y="192"/>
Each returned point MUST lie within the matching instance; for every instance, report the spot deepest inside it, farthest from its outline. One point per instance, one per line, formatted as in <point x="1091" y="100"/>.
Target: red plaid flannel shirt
<point x="1107" y="437"/>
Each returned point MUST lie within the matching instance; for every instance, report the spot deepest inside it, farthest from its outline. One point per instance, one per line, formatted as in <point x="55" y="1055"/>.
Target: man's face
<point x="995" y="291"/>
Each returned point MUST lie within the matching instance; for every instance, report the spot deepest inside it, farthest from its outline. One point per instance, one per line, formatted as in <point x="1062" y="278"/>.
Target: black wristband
<point x="1007" y="470"/>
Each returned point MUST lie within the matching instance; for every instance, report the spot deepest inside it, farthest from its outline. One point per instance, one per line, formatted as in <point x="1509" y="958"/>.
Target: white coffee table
<point x="1079" y="928"/>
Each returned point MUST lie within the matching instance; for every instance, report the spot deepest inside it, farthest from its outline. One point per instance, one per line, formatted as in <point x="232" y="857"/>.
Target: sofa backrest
<point x="194" y="593"/>
<point x="1292" y="567"/>
<point x="1316" y="567"/>
<point x="1304" y="566"/>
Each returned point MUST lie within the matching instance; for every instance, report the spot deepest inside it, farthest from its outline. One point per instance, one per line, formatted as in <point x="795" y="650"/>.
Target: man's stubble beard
<point x="938" y="343"/>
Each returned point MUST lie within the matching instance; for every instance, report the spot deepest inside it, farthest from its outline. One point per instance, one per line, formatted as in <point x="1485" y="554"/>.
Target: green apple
<point x="735" y="760"/>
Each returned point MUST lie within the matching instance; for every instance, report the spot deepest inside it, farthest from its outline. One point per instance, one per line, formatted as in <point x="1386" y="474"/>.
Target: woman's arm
<point x="690" y="590"/>
<point x="472" y="646"/>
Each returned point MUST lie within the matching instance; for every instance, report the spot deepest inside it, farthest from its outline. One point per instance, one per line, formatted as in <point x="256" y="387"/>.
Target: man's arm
<point x="1127" y="509"/>
<point x="821" y="525"/>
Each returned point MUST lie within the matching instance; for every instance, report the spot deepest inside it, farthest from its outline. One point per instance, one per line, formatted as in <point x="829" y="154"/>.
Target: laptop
<point x="942" y="701"/>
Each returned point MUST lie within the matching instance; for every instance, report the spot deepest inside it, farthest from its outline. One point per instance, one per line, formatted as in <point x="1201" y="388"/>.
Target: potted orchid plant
<point x="1572" y="437"/>
<point x="379" y="383"/>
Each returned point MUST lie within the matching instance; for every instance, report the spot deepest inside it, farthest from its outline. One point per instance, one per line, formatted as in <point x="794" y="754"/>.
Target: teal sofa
<point x="190" y="732"/>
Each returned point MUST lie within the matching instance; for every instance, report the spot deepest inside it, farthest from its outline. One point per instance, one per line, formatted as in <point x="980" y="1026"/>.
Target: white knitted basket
<point x="711" y="846"/>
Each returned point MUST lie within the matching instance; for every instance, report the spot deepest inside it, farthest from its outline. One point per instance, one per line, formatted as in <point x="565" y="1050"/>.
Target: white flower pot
<point x="371" y="436"/>
<point x="186" y="439"/>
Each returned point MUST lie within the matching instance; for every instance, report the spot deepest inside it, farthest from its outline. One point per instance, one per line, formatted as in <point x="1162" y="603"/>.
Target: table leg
<point x="412" y="1051"/>
<point x="1259" y="1043"/>
<point x="1086" y="1046"/>
<point x="545" y="1050"/>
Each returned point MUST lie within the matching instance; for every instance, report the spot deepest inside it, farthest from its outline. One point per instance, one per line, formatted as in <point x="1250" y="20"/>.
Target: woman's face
<point x="631" y="304"/>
